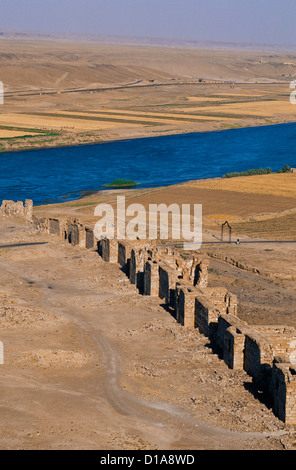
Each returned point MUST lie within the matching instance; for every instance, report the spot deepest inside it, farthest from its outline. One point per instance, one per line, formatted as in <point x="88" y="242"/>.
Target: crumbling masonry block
<point x="124" y="256"/>
<point x="109" y="250"/>
<point x="284" y="391"/>
<point x="226" y="321"/>
<point x="168" y="277"/>
<point x="151" y="278"/>
<point x="136" y="269"/>
<point x="185" y="305"/>
<point x="28" y="209"/>
<point x="89" y="238"/>
<point x="258" y="359"/>
<point x="207" y="316"/>
<point x="54" y="226"/>
<point x="200" y="272"/>
<point x="73" y="234"/>
<point x="18" y="209"/>
<point x="234" y="346"/>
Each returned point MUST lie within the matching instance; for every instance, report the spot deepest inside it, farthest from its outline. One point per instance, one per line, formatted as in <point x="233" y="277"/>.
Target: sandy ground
<point x="82" y="372"/>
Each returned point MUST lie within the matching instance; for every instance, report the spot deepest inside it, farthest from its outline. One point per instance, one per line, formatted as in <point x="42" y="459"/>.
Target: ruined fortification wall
<point x="266" y="352"/>
<point x="213" y="311"/>
<point x="17" y="209"/>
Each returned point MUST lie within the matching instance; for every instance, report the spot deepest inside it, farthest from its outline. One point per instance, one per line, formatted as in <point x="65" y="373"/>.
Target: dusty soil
<point x="73" y="92"/>
<point x="91" y="364"/>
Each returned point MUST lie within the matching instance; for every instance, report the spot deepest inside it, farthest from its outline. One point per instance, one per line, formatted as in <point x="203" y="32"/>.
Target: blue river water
<point x="64" y="173"/>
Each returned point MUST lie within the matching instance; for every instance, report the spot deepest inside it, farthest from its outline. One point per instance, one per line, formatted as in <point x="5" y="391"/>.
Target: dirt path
<point x="91" y="364"/>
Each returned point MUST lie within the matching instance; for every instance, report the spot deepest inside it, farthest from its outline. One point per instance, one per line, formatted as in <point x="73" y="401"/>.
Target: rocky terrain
<point x="90" y="363"/>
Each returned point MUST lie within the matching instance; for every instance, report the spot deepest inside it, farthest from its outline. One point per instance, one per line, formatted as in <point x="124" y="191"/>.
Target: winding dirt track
<point x="98" y="404"/>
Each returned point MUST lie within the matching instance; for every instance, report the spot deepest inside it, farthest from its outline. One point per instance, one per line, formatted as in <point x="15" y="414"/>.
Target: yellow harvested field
<point x="205" y="98"/>
<point x="244" y="94"/>
<point x="202" y="109"/>
<point x="98" y="120"/>
<point x="7" y="133"/>
<point x="162" y="116"/>
<point x="144" y="117"/>
<point x="247" y="94"/>
<point x="276" y="184"/>
<point x="277" y="228"/>
<point x="51" y="122"/>
<point x="257" y="108"/>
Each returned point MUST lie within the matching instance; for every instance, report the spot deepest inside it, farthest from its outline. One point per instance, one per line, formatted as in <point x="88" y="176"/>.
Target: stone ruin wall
<point x="17" y="209"/>
<point x="182" y="285"/>
<point x="267" y="353"/>
<point x="283" y="390"/>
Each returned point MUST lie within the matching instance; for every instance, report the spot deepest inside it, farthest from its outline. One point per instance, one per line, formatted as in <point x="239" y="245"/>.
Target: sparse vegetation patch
<point x="121" y="183"/>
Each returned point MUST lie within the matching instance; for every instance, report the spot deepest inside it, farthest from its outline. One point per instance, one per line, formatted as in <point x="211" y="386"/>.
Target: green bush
<point x="121" y="183"/>
<point x="285" y="169"/>
<point x="259" y="171"/>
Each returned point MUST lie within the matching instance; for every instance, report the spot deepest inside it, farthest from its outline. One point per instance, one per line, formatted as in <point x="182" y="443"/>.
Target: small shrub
<point x="260" y="171"/>
<point x="121" y="183"/>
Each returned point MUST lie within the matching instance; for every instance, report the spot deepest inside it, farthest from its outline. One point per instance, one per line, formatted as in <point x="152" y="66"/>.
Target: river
<point x="64" y="173"/>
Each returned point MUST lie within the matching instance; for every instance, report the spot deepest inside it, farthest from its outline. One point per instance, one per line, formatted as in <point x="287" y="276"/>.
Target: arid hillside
<point x="62" y="92"/>
<point x="62" y="64"/>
